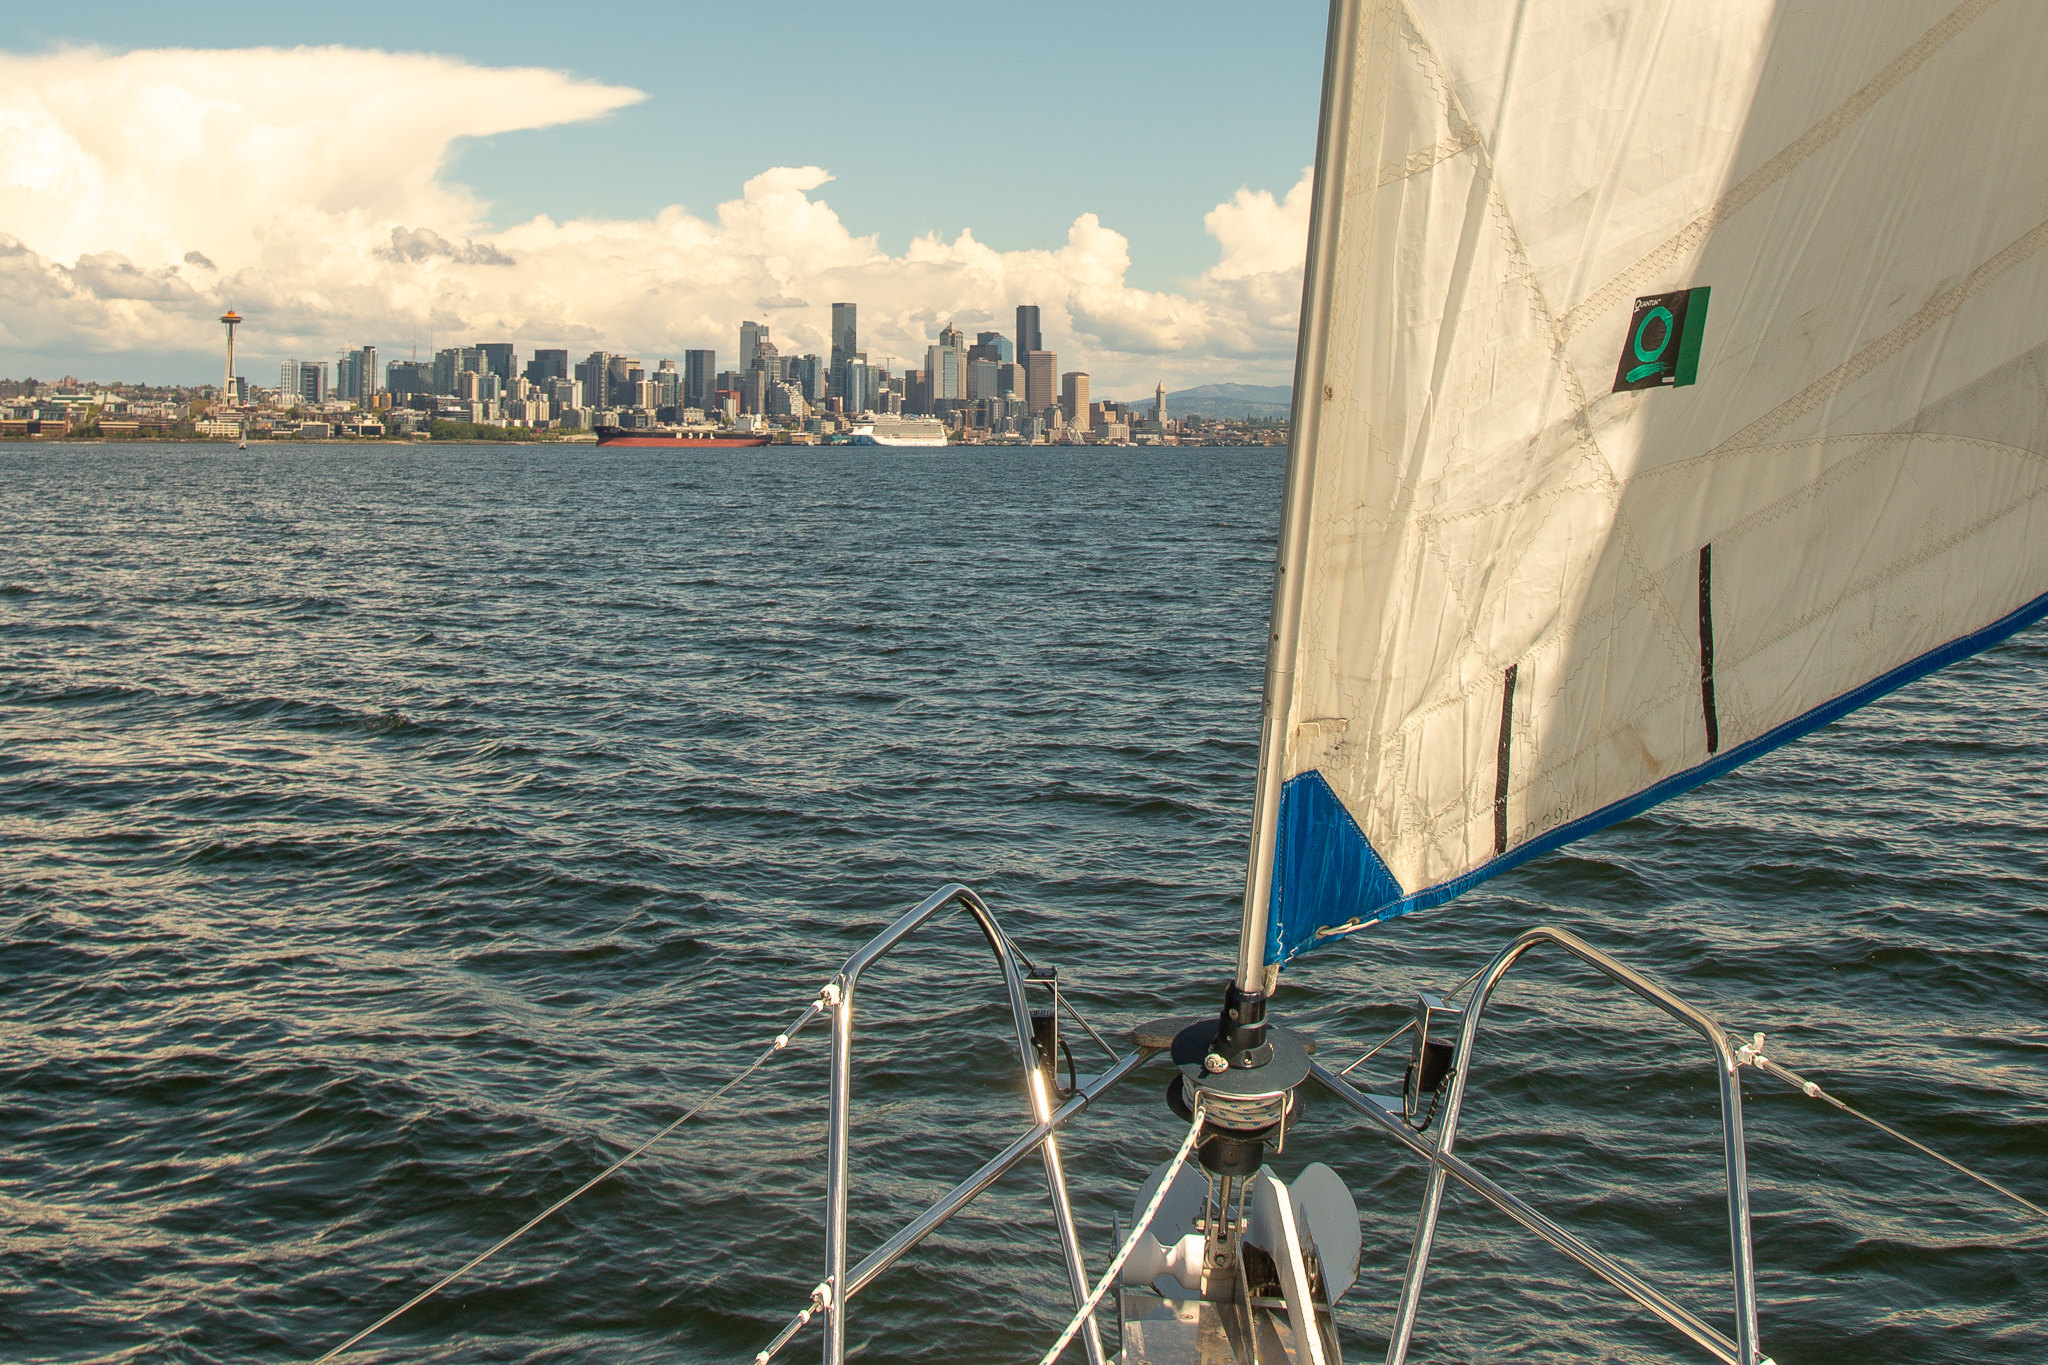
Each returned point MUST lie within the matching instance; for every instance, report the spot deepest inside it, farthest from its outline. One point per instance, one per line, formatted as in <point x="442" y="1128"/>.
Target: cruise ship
<point x="917" y="433"/>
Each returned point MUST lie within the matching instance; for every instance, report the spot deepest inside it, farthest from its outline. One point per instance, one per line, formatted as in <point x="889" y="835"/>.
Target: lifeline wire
<point x="1793" y="1078"/>
<point x="1450" y="994"/>
<point x="782" y="1041"/>
<point x="1124" y="1252"/>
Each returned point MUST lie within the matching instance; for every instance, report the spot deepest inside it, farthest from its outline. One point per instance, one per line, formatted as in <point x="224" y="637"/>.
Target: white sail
<point x="1531" y="604"/>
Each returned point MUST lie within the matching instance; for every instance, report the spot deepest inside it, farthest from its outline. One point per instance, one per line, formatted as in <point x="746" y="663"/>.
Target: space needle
<point x="227" y="388"/>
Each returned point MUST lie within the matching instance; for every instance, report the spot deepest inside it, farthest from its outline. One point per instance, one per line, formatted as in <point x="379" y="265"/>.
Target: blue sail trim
<point x="1326" y="874"/>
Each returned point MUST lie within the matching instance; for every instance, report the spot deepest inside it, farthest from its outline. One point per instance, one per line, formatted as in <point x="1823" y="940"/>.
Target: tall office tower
<point x="865" y="385"/>
<point x="1010" y="381"/>
<point x="845" y="334"/>
<point x="1040" y="384"/>
<point x="946" y="364"/>
<point x="984" y="378"/>
<point x="288" y="379"/>
<point x="547" y="366"/>
<point x="1159" y="404"/>
<point x="807" y="372"/>
<point x="595" y="376"/>
<point x="755" y="392"/>
<point x="1028" y="339"/>
<point x="407" y="378"/>
<point x="495" y="357"/>
<point x="668" y="385"/>
<point x="313" y="380"/>
<point x="700" y="379"/>
<point x="766" y="359"/>
<point x="355" y="375"/>
<point x="623" y="373"/>
<point x="993" y="346"/>
<point x="1074" y="398"/>
<point x="449" y="362"/>
<point x="752" y="334"/>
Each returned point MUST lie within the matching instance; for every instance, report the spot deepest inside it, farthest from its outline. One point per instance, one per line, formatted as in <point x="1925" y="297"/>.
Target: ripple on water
<point x="385" y="842"/>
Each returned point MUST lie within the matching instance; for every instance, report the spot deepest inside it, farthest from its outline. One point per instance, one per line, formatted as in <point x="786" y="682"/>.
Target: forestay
<point x="1564" y="556"/>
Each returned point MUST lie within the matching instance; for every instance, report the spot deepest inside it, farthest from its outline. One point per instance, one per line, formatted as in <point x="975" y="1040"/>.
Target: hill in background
<point x="1229" y="400"/>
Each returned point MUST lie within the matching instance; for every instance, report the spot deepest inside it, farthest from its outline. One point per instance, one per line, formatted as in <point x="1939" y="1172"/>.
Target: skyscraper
<point x="1159" y="403"/>
<point x="595" y="375"/>
<point x="946" y="365"/>
<point x="496" y="358"/>
<point x="992" y="346"/>
<point x="1074" y="398"/>
<point x="845" y="334"/>
<point x="1041" y="369"/>
<point x="700" y="379"/>
<point x="1028" y="338"/>
<point x="547" y="366"/>
<point x="355" y="375"/>
<point x="752" y="334"/>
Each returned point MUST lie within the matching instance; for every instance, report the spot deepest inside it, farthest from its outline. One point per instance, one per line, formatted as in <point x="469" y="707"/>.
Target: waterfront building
<point x="1040" y="382"/>
<point x="700" y="379"/>
<point x="1074" y="399"/>
<point x="1028" y="336"/>
<point x="845" y="334"/>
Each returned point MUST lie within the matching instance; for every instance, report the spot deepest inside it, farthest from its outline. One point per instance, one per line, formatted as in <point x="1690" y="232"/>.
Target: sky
<point x="643" y="180"/>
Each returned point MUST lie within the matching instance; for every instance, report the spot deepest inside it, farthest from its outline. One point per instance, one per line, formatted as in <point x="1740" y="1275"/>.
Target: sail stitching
<point x="1886" y="346"/>
<point x="1456" y="816"/>
<point x="1415" y="163"/>
<point x="1745" y="192"/>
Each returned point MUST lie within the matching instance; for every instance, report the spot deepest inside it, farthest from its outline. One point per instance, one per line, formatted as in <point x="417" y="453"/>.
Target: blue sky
<point x="1012" y="120"/>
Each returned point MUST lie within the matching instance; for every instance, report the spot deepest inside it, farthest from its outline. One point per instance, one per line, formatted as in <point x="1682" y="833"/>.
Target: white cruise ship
<point x="906" y="432"/>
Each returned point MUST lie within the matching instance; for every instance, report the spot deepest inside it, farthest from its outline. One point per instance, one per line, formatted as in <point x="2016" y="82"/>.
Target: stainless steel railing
<point x="841" y="992"/>
<point x="1445" y="1164"/>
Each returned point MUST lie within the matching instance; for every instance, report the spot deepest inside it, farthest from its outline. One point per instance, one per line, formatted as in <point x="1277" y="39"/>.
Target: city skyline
<point x="147" y="194"/>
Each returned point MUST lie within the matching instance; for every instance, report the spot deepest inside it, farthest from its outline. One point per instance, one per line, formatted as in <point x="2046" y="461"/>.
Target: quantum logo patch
<point x="1663" y="343"/>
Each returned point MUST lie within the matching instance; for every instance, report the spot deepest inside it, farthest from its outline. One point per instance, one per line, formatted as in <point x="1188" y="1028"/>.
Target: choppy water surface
<point x="388" y="837"/>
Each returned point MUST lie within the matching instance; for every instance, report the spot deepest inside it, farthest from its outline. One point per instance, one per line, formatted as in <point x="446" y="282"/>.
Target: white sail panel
<point x="1532" y="604"/>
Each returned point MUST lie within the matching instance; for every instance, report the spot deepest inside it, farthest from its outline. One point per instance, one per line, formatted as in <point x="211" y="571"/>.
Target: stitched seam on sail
<point x="1885" y="347"/>
<point x="1747" y="190"/>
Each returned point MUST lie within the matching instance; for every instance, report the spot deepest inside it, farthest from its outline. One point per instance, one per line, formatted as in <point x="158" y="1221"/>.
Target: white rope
<point x="782" y="1041"/>
<point x="1124" y="1252"/>
<point x="1754" y="1055"/>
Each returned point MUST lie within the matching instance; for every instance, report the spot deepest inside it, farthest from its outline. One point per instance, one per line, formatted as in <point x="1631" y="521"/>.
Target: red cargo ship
<point x="673" y="440"/>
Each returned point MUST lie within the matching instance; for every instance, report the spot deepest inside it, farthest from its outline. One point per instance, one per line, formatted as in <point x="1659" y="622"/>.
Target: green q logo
<point x="1661" y="346"/>
<point x="1651" y="357"/>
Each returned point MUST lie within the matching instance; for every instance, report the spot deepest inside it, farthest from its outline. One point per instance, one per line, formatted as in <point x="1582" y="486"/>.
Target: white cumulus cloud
<point x="142" y="193"/>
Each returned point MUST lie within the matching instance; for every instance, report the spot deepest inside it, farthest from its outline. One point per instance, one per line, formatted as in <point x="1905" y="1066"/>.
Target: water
<point x="388" y="836"/>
